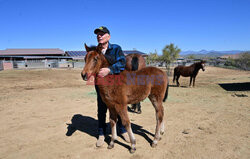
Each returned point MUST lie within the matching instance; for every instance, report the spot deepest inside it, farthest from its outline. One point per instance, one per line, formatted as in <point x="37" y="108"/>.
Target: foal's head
<point x="93" y="62"/>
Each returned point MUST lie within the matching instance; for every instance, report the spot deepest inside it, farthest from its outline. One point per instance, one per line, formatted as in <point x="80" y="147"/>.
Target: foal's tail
<point x="166" y="93"/>
<point x="135" y="63"/>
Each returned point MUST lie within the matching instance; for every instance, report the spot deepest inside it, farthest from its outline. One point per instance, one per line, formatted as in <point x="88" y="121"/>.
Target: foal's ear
<point x="86" y="47"/>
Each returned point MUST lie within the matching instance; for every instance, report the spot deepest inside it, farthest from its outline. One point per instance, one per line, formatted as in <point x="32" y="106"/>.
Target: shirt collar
<point x="109" y="47"/>
<point x="104" y="51"/>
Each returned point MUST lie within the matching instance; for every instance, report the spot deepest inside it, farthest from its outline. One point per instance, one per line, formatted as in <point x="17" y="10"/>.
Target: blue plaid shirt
<point x="116" y="58"/>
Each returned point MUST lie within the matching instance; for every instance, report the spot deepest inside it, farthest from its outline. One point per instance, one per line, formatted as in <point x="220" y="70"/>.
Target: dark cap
<point x="102" y="29"/>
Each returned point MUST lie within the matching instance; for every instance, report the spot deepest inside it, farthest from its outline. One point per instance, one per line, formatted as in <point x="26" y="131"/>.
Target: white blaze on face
<point x="203" y="66"/>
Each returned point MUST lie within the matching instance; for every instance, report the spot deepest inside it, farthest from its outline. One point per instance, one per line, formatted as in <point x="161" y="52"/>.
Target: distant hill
<point x="211" y="53"/>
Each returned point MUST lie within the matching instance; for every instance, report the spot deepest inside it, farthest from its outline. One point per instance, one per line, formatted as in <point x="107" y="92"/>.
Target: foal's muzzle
<point x="84" y="76"/>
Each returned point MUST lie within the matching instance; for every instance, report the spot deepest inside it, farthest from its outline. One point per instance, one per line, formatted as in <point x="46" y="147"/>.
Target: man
<point x="116" y="58"/>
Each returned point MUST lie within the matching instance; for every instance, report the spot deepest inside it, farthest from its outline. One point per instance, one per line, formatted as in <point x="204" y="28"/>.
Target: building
<point x="44" y="58"/>
<point x="32" y="58"/>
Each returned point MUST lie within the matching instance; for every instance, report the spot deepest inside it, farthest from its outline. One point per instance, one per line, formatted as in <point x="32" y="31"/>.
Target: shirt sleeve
<point x="120" y="62"/>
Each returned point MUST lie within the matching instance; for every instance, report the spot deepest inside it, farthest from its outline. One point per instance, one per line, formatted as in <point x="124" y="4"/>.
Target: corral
<point x="208" y="121"/>
<point x="45" y="58"/>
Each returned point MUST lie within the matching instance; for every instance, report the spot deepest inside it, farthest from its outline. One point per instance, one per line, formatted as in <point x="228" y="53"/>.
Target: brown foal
<point x="127" y="88"/>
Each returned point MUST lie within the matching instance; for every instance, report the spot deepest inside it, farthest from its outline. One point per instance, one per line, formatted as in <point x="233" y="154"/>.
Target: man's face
<point x="102" y="37"/>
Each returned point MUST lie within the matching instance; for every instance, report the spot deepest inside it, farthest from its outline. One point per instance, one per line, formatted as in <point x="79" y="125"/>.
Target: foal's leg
<point x="113" y="120"/>
<point x="159" y="112"/>
<point x="122" y="111"/>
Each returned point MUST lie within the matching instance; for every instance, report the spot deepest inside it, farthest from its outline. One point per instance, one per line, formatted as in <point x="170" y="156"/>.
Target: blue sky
<point x="145" y="25"/>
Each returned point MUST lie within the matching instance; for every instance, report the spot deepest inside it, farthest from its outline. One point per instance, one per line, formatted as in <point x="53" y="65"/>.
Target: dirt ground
<point x="205" y="122"/>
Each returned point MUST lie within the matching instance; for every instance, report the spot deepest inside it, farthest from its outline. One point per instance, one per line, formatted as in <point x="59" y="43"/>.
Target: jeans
<point x="101" y="115"/>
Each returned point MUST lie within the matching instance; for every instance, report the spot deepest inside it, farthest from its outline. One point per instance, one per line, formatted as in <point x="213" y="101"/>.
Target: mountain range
<point x="211" y="53"/>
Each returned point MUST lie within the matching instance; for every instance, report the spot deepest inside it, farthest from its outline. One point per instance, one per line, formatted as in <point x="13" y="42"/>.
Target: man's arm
<point x="120" y="62"/>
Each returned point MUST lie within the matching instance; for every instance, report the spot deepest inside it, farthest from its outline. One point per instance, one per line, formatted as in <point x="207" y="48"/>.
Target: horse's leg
<point x="159" y="112"/>
<point x="175" y="75"/>
<point x="122" y="111"/>
<point x="139" y="108"/>
<point x="177" y="80"/>
<point x="113" y="120"/>
<point x="193" y="81"/>
<point x="136" y="107"/>
<point x="133" y="107"/>
<point x="190" y="80"/>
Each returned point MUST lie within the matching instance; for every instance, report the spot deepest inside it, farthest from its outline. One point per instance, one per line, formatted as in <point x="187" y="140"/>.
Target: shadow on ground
<point x="89" y="126"/>
<point x="235" y="86"/>
<point x="178" y="86"/>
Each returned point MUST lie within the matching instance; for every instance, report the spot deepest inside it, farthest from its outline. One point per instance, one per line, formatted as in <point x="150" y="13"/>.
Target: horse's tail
<point x="174" y="75"/>
<point x="166" y="93"/>
<point x="135" y="63"/>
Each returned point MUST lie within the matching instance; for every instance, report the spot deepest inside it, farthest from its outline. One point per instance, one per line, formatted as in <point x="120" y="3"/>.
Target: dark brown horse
<point x="135" y="62"/>
<point x="127" y="88"/>
<point x="188" y="71"/>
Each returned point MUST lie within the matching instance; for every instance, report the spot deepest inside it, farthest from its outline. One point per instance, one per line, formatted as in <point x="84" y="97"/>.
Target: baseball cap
<point x="102" y="29"/>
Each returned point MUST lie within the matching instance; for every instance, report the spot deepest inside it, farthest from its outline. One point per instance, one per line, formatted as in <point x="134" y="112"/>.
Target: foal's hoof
<point x="153" y="145"/>
<point x="110" y="146"/>
<point x="132" y="150"/>
<point x="162" y="132"/>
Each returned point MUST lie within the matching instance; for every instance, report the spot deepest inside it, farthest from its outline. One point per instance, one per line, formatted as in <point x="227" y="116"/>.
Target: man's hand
<point x="104" y="72"/>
